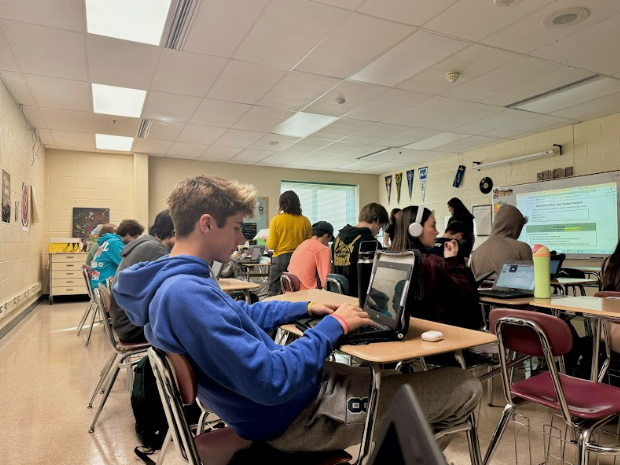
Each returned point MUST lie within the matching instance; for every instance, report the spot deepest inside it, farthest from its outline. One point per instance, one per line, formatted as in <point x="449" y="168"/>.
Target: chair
<point x="611" y="334"/>
<point x="337" y="283"/>
<point x="584" y="405"/>
<point x="127" y="352"/>
<point x="176" y="382"/>
<point x="87" y="273"/>
<point x="289" y="282"/>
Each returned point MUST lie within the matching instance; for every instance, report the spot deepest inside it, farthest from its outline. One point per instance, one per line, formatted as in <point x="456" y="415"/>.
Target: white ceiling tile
<point x="354" y="94"/>
<point x="240" y="139"/>
<point x="265" y="142"/>
<point x="337" y="149"/>
<point x="187" y="150"/>
<point x="360" y="165"/>
<point x="594" y="48"/>
<point x="388" y="104"/>
<point x="46" y="137"/>
<point x="123" y="126"/>
<point x="591" y="109"/>
<point x="354" y="43"/>
<point x="340" y="129"/>
<point x="374" y="132"/>
<point x="7" y="62"/>
<point x="220" y="153"/>
<point x="46" y="51"/>
<point x="326" y="163"/>
<point x="475" y="20"/>
<point x="121" y="63"/>
<point x="498" y="120"/>
<point x="62" y="14"/>
<point x="220" y="25"/>
<point x="420" y="115"/>
<point x="536" y="124"/>
<point x="196" y="134"/>
<point x="415" y="12"/>
<point x="470" y="143"/>
<point x="280" y="158"/>
<point x="67" y="120"/>
<point x="164" y="130"/>
<point x="60" y="93"/>
<point x="262" y="119"/>
<point x="296" y="90"/>
<point x="527" y="34"/>
<point x="408" y="156"/>
<point x="305" y="162"/>
<point x="287" y="31"/>
<point x="348" y="4"/>
<point x="34" y="116"/>
<point x="74" y="139"/>
<point x="16" y="84"/>
<point x="397" y="66"/>
<point x="151" y="146"/>
<point x="245" y="82"/>
<point x="407" y="137"/>
<point x="305" y="146"/>
<point x="437" y="141"/>
<point x="170" y="107"/>
<point x="198" y="73"/>
<point x="252" y="155"/>
<point x="218" y="113"/>
<point x="467" y="114"/>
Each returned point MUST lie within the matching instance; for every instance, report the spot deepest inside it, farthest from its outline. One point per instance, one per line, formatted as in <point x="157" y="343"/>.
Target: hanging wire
<point x="36" y="137"/>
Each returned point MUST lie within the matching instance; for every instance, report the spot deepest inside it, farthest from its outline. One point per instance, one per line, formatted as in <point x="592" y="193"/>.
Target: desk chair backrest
<point x="103" y="298"/>
<point x="613" y="328"/>
<point x="337" y="283"/>
<point x="87" y="273"/>
<point x="289" y="282"/>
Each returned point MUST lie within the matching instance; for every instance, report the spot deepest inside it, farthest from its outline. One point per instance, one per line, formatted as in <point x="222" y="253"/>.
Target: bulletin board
<point x="483" y="216"/>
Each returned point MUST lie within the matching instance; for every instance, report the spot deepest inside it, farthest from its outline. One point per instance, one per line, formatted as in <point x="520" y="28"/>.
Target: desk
<point x="247" y="267"/>
<point x="565" y="283"/>
<point x="509" y="302"/>
<point x="592" y="270"/>
<point x="230" y="285"/>
<point x="412" y="346"/>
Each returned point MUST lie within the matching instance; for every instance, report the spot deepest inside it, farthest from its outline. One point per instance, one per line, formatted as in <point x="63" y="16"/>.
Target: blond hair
<point x="213" y="195"/>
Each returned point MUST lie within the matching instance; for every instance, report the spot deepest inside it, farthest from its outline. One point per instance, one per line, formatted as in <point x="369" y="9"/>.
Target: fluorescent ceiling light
<point x="378" y="152"/>
<point x="555" y="150"/>
<point x="435" y="141"/>
<point x="135" y="20"/>
<point x="568" y="96"/>
<point x="108" y="142"/>
<point x="303" y="124"/>
<point x="120" y="101"/>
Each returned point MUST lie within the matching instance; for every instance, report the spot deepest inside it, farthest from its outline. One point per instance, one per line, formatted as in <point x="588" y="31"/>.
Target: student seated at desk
<point x="287" y="395"/>
<point x="313" y="258"/>
<point x="457" y="231"/>
<point x="445" y="293"/>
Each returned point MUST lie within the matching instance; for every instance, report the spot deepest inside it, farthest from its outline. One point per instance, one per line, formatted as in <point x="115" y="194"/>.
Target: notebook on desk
<point x="255" y="253"/>
<point x="516" y="279"/>
<point x="385" y="301"/>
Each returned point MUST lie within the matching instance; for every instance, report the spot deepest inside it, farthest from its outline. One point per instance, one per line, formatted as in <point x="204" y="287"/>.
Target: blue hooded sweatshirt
<point x="106" y="260"/>
<point x="255" y="385"/>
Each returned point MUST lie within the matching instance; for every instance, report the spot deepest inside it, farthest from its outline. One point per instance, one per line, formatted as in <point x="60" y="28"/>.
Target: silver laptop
<point x="216" y="271"/>
<point x="516" y="279"/>
<point x="256" y="252"/>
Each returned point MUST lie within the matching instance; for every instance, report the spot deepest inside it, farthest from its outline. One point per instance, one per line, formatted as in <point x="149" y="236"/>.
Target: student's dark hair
<point x="131" y="227"/>
<point x="393" y="215"/>
<point x="461" y="212"/>
<point x="611" y="271"/>
<point x="289" y="203"/>
<point x="163" y="227"/>
<point x="318" y="232"/>
<point x="402" y="239"/>
<point x="106" y="228"/>
<point x="374" y="212"/>
<point x="457" y="227"/>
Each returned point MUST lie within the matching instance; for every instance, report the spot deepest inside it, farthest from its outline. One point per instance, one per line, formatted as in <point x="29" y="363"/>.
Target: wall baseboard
<point x="23" y="314"/>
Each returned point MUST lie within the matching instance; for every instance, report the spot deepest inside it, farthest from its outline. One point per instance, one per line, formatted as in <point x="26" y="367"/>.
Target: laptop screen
<point x="516" y="276"/>
<point x="388" y="284"/>
<point x="257" y="252"/>
<point x="554" y="266"/>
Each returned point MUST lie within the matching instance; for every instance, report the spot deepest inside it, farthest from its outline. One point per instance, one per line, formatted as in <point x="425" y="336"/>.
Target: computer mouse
<point x="432" y="336"/>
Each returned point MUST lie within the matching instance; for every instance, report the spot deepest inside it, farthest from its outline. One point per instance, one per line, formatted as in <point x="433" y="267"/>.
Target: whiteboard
<point x="508" y="194"/>
<point x="482" y="219"/>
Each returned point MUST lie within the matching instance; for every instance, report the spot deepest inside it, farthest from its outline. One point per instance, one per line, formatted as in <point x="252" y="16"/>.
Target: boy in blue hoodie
<point x="287" y="395"/>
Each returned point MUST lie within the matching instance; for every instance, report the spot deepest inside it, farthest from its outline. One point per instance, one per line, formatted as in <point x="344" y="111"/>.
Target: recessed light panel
<point x="121" y="101"/>
<point x="303" y="124"/>
<point x="108" y="142"/>
<point x="135" y="20"/>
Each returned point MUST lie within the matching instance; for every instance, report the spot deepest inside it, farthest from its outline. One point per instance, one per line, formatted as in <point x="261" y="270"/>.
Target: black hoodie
<point x="345" y="251"/>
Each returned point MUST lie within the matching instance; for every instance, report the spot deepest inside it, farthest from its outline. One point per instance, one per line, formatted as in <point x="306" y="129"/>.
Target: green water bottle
<point x="542" y="275"/>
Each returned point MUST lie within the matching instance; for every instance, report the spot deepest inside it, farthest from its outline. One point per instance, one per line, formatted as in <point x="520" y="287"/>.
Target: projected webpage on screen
<point x="575" y="220"/>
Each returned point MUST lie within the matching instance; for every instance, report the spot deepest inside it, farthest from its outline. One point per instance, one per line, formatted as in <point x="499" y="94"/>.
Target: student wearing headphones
<point x="444" y="292"/>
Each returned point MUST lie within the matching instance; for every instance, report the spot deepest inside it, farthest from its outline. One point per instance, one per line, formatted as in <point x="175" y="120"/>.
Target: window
<point x="334" y="203"/>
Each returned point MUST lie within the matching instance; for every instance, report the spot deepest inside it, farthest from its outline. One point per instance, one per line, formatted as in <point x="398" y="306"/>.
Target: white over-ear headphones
<point x="416" y="229"/>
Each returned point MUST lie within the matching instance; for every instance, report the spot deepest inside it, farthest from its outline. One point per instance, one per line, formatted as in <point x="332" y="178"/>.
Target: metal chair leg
<point x="92" y="324"/>
<point x="85" y="316"/>
<point x="473" y="443"/>
<point x="164" y="447"/>
<point x="102" y="378"/>
<point x="498" y="433"/>
<point x="105" y="398"/>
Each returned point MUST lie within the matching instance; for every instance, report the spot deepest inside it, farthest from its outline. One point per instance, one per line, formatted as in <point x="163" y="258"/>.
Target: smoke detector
<point x="340" y="100"/>
<point x="451" y="77"/>
<point x="566" y="17"/>
<point x="504" y="3"/>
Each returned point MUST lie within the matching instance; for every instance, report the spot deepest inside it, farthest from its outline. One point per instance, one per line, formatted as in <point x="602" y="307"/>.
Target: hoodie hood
<point x="508" y="222"/>
<point x="141" y="240"/>
<point x="107" y="237"/>
<point x="136" y="286"/>
<point x="348" y="233"/>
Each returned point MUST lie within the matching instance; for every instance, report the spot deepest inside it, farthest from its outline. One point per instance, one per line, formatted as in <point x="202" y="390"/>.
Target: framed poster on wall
<point x="87" y="219"/>
<point x="482" y="219"/>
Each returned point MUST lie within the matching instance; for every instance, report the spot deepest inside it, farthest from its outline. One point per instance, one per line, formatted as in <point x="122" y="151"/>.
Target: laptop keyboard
<point x="366" y="329"/>
<point x="499" y="293"/>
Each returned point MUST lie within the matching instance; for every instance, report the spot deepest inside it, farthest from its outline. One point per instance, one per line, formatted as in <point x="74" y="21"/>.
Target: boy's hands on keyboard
<point x="319" y="309"/>
<point x="354" y="316"/>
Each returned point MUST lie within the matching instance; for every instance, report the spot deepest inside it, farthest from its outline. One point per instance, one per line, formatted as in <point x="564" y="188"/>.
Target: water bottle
<point x="542" y="275"/>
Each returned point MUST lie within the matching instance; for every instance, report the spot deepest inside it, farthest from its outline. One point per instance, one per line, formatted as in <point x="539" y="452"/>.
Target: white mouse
<point x="432" y="336"/>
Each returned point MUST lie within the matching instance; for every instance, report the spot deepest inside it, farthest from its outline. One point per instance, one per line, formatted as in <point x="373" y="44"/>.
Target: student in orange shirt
<point x="313" y="257"/>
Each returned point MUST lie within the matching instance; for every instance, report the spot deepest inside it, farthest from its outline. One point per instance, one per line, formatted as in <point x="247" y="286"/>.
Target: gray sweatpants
<point x="335" y="420"/>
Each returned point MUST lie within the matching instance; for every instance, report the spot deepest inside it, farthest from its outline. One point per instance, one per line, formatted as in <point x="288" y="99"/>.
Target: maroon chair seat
<point x="289" y="282"/>
<point x="585" y="399"/>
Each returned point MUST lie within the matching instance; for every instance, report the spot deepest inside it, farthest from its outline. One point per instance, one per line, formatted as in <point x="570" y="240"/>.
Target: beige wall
<point x="87" y="179"/>
<point x="165" y="173"/>
<point x="22" y="253"/>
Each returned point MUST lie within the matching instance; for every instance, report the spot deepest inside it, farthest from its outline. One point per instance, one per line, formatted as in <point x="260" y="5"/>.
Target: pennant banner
<point x="410" y="174"/>
<point x="399" y="181"/>
<point x="422" y="172"/>
<point x="25" y="207"/>
<point x="388" y="187"/>
<point x="6" y="197"/>
<point x="460" y="172"/>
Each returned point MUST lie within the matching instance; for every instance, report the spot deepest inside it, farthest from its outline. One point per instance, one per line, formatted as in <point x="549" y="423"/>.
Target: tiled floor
<point x="47" y="377"/>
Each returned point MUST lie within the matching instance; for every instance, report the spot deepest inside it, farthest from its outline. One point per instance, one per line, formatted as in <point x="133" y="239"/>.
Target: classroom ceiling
<point x="246" y="66"/>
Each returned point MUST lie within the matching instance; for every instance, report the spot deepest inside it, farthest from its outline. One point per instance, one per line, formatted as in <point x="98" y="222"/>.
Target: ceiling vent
<point x="565" y="18"/>
<point x="181" y="23"/>
<point x="145" y="127"/>
<point x="552" y="91"/>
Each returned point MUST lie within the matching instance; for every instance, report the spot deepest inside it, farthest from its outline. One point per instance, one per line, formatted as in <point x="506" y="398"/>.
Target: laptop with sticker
<point x="516" y="279"/>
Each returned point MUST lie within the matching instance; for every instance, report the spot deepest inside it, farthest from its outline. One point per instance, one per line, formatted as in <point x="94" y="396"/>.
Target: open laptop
<point x="555" y="264"/>
<point x="216" y="271"/>
<point x="255" y="253"/>
<point x="516" y="279"/>
<point x="385" y="300"/>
